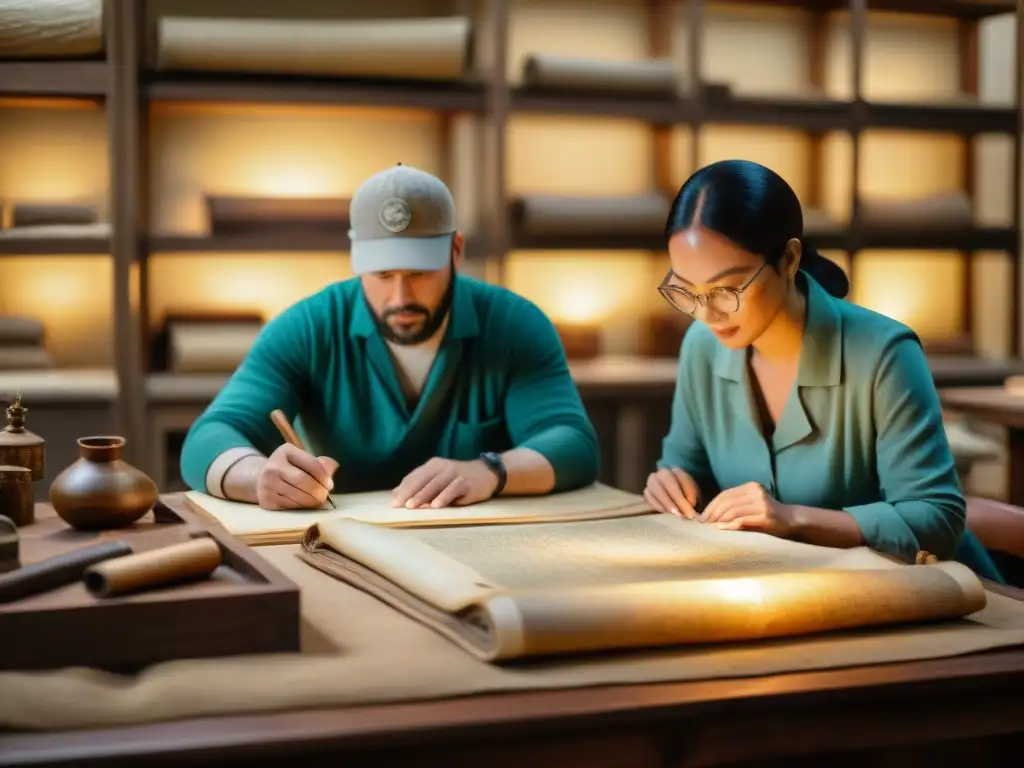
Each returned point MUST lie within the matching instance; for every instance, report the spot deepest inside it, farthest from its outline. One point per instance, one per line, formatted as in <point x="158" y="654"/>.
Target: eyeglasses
<point x="724" y="300"/>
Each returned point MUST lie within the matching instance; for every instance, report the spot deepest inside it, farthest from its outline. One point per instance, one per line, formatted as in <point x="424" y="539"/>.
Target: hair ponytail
<point x="825" y="272"/>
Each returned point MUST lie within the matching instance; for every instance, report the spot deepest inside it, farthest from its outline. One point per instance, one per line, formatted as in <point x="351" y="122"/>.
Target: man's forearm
<point x="239" y="482"/>
<point x="528" y="473"/>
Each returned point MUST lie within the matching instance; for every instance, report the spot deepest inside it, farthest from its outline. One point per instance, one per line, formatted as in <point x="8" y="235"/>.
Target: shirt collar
<point x="821" y="359"/>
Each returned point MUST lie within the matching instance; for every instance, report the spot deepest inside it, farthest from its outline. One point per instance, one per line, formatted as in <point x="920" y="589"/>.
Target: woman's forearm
<point x="824" y="527"/>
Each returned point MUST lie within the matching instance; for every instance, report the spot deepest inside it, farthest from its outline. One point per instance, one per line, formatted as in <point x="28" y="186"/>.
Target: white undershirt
<point x="414" y="361"/>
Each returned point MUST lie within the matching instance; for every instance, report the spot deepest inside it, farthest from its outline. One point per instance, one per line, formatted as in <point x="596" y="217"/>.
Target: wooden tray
<point x="247" y="606"/>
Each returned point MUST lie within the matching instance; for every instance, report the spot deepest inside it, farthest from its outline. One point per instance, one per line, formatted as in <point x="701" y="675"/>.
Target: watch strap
<point x="494" y="463"/>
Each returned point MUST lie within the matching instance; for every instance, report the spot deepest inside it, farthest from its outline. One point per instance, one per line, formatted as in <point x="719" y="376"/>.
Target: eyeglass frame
<point x="701" y="299"/>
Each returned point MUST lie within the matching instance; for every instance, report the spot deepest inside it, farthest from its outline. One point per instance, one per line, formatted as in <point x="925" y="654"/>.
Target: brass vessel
<point x="101" y="490"/>
<point x="18" y="446"/>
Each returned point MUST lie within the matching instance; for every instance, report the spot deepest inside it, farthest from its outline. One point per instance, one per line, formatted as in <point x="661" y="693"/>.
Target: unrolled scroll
<point x="45" y="214"/>
<point x="57" y="571"/>
<point x="50" y="28"/>
<point x="248" y="215"/>
<point x="557" y="215"/>
<point x="545" y="71"/>
<point x="629" y="583"/>
<point x="948" y="211"/>
<point x="175" y="564"/>
<point x="426" y="49"/>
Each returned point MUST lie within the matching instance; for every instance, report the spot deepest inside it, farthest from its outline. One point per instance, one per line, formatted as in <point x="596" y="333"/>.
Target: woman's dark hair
<point x="755" y="208"/>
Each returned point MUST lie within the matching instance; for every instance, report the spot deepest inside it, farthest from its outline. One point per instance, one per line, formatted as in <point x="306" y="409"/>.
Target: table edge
<point x="242" y="735"/>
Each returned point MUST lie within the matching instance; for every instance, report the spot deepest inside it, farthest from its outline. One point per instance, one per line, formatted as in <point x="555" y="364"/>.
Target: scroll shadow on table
<point x="570" y="616"/>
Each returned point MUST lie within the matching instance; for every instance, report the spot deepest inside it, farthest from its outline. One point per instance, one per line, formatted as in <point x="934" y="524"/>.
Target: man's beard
<point x="431" y="323"/>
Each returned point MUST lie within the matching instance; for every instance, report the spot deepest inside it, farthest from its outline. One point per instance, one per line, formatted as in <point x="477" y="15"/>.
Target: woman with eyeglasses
<point x="796" y="413"/>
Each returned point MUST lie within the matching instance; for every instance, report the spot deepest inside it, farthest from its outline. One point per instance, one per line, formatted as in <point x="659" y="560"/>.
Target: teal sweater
<point x="500" y="381"/>
<point x="861" y="432"/>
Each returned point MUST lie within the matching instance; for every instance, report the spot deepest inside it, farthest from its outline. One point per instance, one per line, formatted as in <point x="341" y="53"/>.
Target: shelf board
<point x="979" y="239"/>
<point x="255" y="243"/>
<point x="982" y="239"/>
<point x="792" y="111"/>
<point x="657" y="110"/>
<point x="975" y="9"/>
<point x="806" y="114"/>
<point x="230" y="88"/>
<point x="82" y="245"/>
<point x="588" y="242"/>
<point x="955" y="118"/>
<point x="82" y="79"/>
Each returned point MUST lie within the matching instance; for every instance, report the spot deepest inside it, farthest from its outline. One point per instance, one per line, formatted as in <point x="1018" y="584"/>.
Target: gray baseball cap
<point x="401" y="218"/>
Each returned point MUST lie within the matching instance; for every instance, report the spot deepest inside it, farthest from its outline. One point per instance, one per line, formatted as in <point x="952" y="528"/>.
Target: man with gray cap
<point x="409" y="376"/>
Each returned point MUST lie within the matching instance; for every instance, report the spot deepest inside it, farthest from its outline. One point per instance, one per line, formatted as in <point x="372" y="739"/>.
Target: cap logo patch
<point x="395" y="214"/>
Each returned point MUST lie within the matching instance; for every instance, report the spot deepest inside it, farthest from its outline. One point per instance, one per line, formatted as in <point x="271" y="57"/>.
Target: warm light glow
<point x="286" y="180"/>
<point x="51" y="155"/>
<point x="557" y="155"/>
<point x="906" y="164"/>
<point x="72" y="296"/>
<point x="743" y="590"/>
<point x="614" y="290"/>
<point x="922" y="290"/>
<point x="278" y="152"/>
<point x="265" y="283"/>
<point x="783" y="150"/>
<point x="905" y="57"/>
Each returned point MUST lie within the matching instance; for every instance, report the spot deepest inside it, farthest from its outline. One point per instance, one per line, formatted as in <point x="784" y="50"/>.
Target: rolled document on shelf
<point x="40" y="29"/>
<point x="546" y="71"/>
<point x="564" y="215"/>
<point x="422" y="49"/>
<point x="48" y="214"/>
<point x="946" y="211"/>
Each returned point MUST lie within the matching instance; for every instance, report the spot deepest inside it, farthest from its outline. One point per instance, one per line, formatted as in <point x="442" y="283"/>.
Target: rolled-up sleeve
<point x="923" y="506"/>
<point x="543" y="408"/>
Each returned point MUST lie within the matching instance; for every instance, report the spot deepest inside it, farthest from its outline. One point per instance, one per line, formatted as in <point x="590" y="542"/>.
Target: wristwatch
<point x="494" y="463"/>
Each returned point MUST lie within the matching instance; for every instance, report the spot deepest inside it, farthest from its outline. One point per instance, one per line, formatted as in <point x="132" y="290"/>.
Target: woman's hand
<point x="673" y="491"/>
<point x="749" y="507"/>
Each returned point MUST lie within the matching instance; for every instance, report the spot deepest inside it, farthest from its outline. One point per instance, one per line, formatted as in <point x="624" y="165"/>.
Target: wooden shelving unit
<point x="72" y="79"/>
<point x="129" y="89"/>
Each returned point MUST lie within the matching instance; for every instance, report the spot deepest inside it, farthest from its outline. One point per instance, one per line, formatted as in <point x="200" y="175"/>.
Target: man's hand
<point x="445" y="483"/>
<point x="749" y="507"/>
<point x="294" y="479"/>
<point x="673" y="491"/>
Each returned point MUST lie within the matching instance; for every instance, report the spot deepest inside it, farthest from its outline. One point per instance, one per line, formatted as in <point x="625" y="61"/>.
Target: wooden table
<point x="965" y="710"/>
<point x="996" y="405"/>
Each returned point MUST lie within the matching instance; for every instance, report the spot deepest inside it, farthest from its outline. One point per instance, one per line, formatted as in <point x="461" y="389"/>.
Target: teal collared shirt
<point x="500" y="380"/>
<point x="861" y="431"/>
